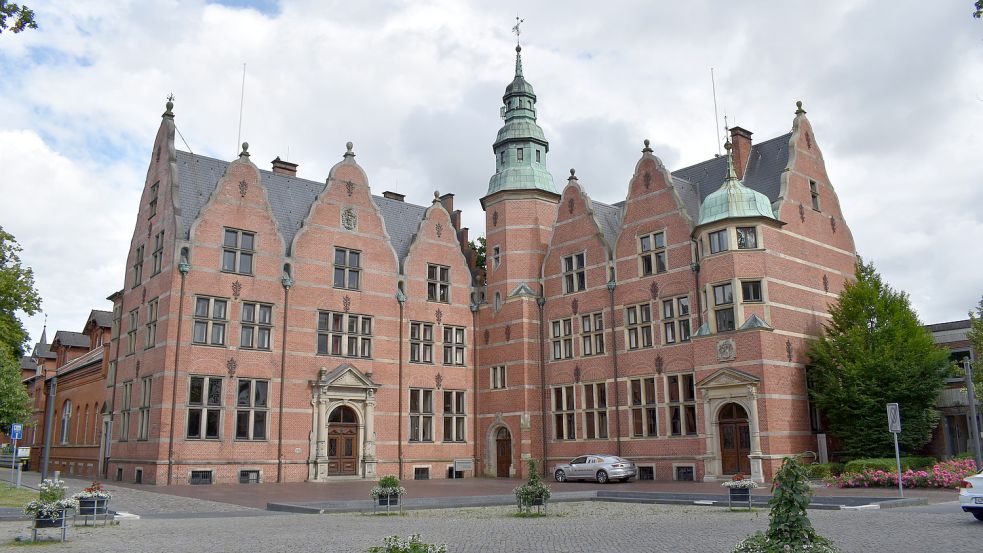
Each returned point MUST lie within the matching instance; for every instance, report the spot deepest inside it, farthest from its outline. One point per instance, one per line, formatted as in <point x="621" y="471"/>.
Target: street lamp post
<point x="973" y="425"/>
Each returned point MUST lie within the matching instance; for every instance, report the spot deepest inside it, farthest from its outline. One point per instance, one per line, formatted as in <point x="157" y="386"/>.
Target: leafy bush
<point x="947" y="474"/>
<point x="396" y="544"/>
<point x="824" y="470"/>
<point x="387" y="486"/>
<point x="888" y="464"/>
<point x="528" y="494"/>
<point x="95" y="491"/>
<point x="51" y="500"/>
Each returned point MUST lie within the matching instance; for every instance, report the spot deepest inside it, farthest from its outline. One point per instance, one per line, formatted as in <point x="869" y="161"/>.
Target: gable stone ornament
<point x="349" y="219"/>
<point x="726" y="350"/>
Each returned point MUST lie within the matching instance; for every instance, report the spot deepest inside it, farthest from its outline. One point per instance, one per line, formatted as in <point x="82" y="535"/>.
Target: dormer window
<point x="537" y="156"/>
<point x="518" y="154"/>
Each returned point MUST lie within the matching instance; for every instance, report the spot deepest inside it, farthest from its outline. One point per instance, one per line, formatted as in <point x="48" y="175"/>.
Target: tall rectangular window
<point x="138" y="266"/>
<point x="675" y="319"/>
<point x="454" y="416"/>
<point x="421" y="342"/>
<point x="596" y="411"/>
<point x="143" y="431"/>
<point x="682" y="404"/>
<point x="564" y="413"/>
<point x="421" y="415"/>
<point x="237" y="252"/>
<point x="158" y="255"/>
<point x="151" y="324"/>
<point x="574" y="274"/>
<point x="498" y="381"/>
<point x="519" y="156"/>
<point x="344" y="334"/>
<point x="751" y="290"/>
<point x="347" y="268"/>
<point x="644" y="412"/>
<point x="131" y="331"/>
<point x="124" y="412"/>
<point x="117" y="320"/>
<point x="562" y="334"/>
<point x="814" y="194"/>
<point x="496" y="257"/>
<point x="592" y="334"/>
<point x="252" y="406"/>
<point x="257" y="326"/>
<point x="653" y="253"/>
<point x="723" y="301"/>
<point x="638" y="326"/>
<point x="718" y="241"/>
<point x="204" y="407"/>
<point x="438" y="283"/>
<point x="152" y="206"/>
<point x="747" y="238"/>
<point x="453" y="345"/>
<point x="210" y="320"/>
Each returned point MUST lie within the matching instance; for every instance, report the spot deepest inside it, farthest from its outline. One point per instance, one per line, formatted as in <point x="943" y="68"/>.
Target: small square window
<point x="751" y="290"/>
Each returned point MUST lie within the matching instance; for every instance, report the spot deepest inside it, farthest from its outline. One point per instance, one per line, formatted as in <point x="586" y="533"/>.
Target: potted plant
<point x="740" y="489"/>
<point x="49" y="509"/>
<point x="93" y="501"/>
<point x="387" y="491"/>
<point x="533" y="493"/>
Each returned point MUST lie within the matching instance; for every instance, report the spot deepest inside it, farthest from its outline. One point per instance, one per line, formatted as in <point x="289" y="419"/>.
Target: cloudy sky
<point x="893" y="89"/>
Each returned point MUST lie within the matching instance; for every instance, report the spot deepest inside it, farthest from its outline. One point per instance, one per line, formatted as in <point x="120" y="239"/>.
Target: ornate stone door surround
<point x="720" y="388"/>
<point x="348" y="386"/>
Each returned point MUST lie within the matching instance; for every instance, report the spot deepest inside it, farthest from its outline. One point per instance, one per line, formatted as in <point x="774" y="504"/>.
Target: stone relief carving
<point x="726" y="350"/>
<point x="349" y="219"/>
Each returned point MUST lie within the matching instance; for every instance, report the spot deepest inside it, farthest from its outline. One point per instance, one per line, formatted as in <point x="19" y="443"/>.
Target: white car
<point x="971" y="495"/>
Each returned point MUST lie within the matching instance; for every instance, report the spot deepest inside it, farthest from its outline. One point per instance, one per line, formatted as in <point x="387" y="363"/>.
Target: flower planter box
<point x="93" y="506"/>
<point x="59" y="521"/>
<point x="740" y="494"/>
<point x="388" y="500"/>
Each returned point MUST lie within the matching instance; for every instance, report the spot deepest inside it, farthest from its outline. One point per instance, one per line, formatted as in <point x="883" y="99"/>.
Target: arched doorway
<point x="735" y="439"/>
<point x="503" y="452"/>
<point x="342" y="441"/>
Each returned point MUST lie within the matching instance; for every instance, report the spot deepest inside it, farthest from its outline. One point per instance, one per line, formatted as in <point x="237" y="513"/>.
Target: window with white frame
<point x="138" y="266"/>
<point x="652" y="248"/>
<point x="158" y="254"/>
<point x="347" y="268"/>
<point x="747" y="238"/>
<point x="751" y="291"/>
<point x="638" y="326"/>
<point x="644" y="411"/>
<point x="592" y="334"/>
<point x="237" y="252"/>
<point x="438" y="283"/>
<point x="498" y="381"/>
<point x="675" y="320"/>
<point x="151" y="325"/>
<point x="723" y="301"/>
<point x="562" y="334"/>
<point x="596" y="411"/>
<point x="574" y="274"/>
<point x="421" y="415"/>
<point x="453" y="345"/>
<point x="252" y="407"/>
<point x="210" y="321"/>
<point x="718" y="241"/>
<point x="454" y="416"/>
<point x="682" y="404"/>
<point x="564" y="413"/>
<point x="344" y="334"/>
<point x="143" y="429"/>
<point x="131" y="331"/>
<point x="421" y="342"/>
<point x="66" y="420"/>
<point x="124" y="412"/>
<point x="204" y="407"/>
<point x="257" y="326"/>
<point x="496" y="257"/>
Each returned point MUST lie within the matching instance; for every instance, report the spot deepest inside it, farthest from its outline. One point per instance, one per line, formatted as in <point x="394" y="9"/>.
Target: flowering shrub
<point x="761" y="543"/>
<point x="387" y="486"/>
<point x="532" y="491"/>
<point x="51" y="501"/>
<point x="738" y="482"/>
<point x="95" y="491"/>
<point x="396" y="544"/>
<point x="947" y="474"/>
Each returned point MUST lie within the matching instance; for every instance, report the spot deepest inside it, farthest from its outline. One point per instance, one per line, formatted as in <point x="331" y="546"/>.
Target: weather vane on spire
<point x="170" y="97"/>
<point x="515" y="30"/>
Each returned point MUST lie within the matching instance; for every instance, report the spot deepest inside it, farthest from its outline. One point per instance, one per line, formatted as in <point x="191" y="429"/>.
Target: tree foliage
<point x="978" y="12"/>
<point x="17" y="293"/>
<point x="22" y="17"/>
<point x="975" y="336"/>
<point x="875" y="351"/>
<point x="15" y="404"/>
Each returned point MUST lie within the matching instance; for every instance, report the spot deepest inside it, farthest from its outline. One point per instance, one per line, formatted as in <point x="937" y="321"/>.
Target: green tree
<point x="17" y="293"/>
<point x="22" y="17"/>
<point x="875" y="351"/>
<point x="15" y="404"/>
<point x="975" y="336"/>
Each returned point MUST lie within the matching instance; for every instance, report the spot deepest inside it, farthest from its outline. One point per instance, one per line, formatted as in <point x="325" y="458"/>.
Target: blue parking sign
<point x="16" y="431"/>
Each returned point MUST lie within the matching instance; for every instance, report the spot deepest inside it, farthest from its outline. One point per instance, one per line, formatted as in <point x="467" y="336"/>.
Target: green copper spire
<point x="733" y="199"/>
<point x="521" y="147"/>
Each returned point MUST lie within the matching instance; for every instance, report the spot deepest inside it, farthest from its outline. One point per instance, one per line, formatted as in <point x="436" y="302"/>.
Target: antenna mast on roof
<point x="716" y="117"/>
<point x="242" y="97"/>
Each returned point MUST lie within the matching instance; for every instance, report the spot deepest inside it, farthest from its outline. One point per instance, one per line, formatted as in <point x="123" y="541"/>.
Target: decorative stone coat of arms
<point x="349" y="219"/>
<point x="726" y="350"/>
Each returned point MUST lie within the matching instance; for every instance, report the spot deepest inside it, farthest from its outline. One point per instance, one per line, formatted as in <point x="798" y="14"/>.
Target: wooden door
<point x="503" y="457"/>
<point x="342" y="442"/>
<point x="735" y="440"/>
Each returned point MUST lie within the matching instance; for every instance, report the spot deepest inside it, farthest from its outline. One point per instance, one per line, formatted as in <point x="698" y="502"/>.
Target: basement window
<point x="201" y="477"/>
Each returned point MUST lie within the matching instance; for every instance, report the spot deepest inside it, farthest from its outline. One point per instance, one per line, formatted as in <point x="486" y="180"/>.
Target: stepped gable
<point x="290" y="199"/>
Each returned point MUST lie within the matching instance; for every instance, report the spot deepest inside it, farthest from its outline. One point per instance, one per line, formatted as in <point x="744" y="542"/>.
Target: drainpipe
<point x="48" y="415"/>
<point x="474" y="382"/>
<point x="695" y="266"/>
<point x="287" y="282"/>
<point x="541" y="302"/>
<point x="401" y="298"/>
<point x="614" y="358"/>
<point x="183" y="268"/>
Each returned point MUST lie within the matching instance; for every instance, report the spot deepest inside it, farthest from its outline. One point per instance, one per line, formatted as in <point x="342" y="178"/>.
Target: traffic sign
<point x="893" y="418"/>
<point x="16" y="431"/>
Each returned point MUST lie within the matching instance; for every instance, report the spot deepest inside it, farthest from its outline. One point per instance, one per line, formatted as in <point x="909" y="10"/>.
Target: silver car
<point x="602" y="468"/>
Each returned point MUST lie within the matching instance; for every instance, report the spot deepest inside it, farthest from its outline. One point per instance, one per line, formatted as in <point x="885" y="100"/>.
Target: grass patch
<point x="15" y="497"/>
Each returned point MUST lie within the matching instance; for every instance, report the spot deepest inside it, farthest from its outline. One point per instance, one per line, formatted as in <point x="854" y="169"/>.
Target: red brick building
<point x="273" y="328"/>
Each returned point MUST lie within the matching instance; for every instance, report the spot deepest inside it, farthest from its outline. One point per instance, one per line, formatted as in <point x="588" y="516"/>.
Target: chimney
<point x="456" y="218"/>
<point x="448" y="201"/>
<point x="393" y="196"/>
<point x="284" y="168"/>
<point x="741" y="141"/>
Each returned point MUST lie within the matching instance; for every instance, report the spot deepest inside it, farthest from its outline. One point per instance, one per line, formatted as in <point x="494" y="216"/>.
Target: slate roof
<point x="72" y="339"/>
<point x="43" y="351"/>
<point x="950" y="325"/>
<point x="91" y="358"/>
<point x="608" y="218"/>
<point x="26" y="363"/>
<point x="290" y="199"/>
<point x="103" y="318"/>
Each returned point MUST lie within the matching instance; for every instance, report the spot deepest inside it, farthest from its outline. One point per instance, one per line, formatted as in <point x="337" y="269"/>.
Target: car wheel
<point x="978" y="515"/>
<point x="602" y="477"/>
<point x="560" y="476"/>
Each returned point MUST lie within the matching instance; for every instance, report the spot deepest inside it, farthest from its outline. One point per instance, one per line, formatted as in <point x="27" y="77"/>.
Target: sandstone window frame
<point x="564" y="403"/>
<point x="676" y="327"/>
<point x="681" y="404"/>
<point x="643" y="395"/>
<point x="595" y="411"/>
<point x="151" y="324"/>
<point x="455" y="416"/>
<point x="137" y="266"/>
<point x="152" y="204"/>
<point x="438" y="283"/>
<point x="256" y="326"/>
<point x="724" y="314"/>
<point x="747" y="237"/>
<point x="211" y="317"/>
<point x="574" y="273"/>
<point x="719" y="240"/>
<point x="143" y="427"/>
<point x="347" y="266"/>
<point x="752" y="291"/>
<point x="454" y="345"/>
<point x="133" y="317"/>
<point x="421" y="342"/>
<point x="342" y="334"/>
<point x="204" y="406"/>
<point x="639" y="333"/>
<point x="252" y="411"/>
<point x="238" y="251"/>
<point x="592" y="334"/>
<point x="561" y="333"/>
<point x="158" y="254"/>
<point x="498" y="377"/>
<point x="496" y="256"/>
<point x="814" y="195"/>
<point x="124" y="412"/>
<point x="421" y="415"/>
<point x="652" y="254"/>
